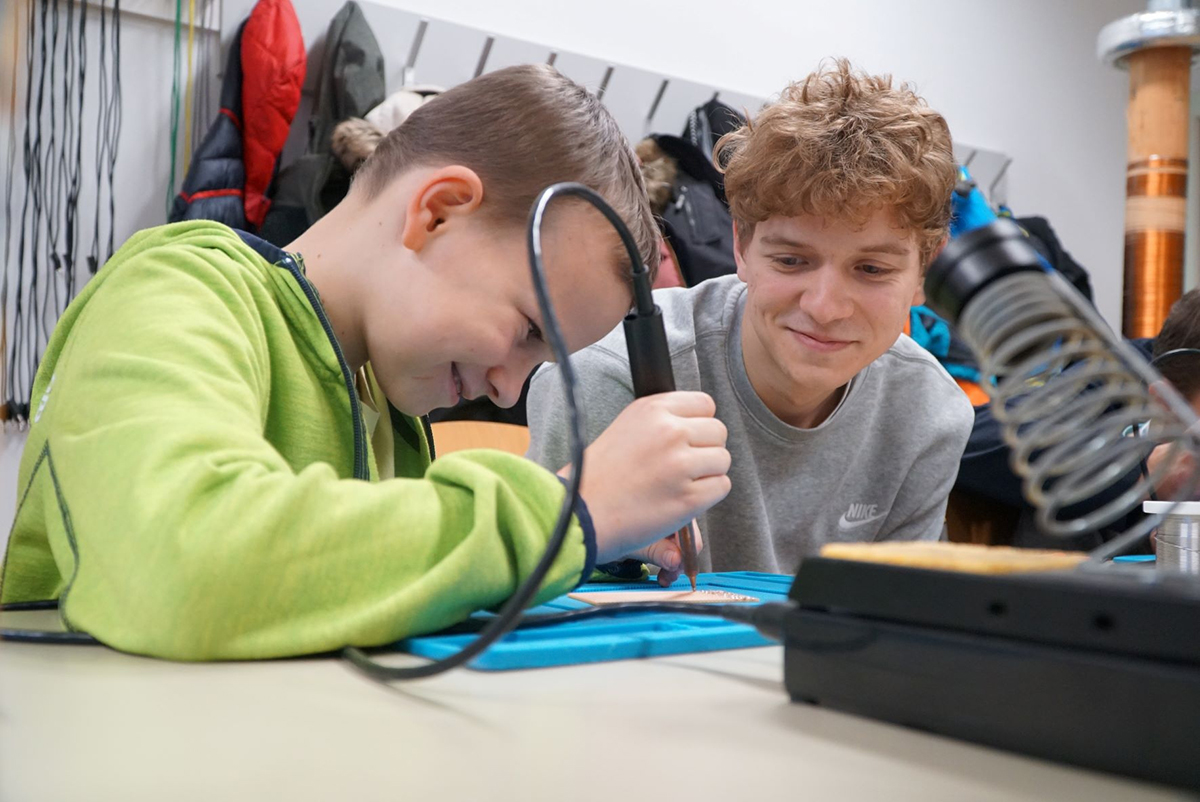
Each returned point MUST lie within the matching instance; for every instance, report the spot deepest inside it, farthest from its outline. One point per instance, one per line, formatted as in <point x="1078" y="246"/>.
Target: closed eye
<point x="534" y="334"/>
<point x="875" y="270"/>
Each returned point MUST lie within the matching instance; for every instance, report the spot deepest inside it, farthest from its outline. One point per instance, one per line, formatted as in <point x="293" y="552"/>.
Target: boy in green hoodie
<point x="228" y="457"/>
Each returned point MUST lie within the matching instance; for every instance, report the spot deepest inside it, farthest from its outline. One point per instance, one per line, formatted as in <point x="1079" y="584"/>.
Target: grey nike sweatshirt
<point x="879" y="468"/>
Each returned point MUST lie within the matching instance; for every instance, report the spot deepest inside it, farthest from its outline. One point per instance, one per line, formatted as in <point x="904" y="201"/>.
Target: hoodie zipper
<point x="360" y="438"/>
<point x="429" y="437"/>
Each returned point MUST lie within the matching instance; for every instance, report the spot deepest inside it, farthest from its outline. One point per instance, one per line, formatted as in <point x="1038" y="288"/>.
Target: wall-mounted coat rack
<point x="425" y="50"/>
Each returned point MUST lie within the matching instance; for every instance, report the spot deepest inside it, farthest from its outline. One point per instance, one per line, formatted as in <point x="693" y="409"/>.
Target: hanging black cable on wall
<point x="44" y="244"/>
<point x="28" y="240"/>
<point x="10" y="163"/>
<point x="113" y="131"/>
<point x="51" y="186"/>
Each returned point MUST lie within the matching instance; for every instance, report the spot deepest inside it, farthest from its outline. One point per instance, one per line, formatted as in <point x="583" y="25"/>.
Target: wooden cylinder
<point x="1155" y="186"/>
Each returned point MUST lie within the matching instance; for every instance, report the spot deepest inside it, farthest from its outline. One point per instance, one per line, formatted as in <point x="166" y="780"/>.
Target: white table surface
<point x="88" y="723"/>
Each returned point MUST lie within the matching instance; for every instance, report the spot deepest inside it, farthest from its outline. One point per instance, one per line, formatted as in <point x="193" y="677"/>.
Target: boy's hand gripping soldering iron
<point x="650" y="366"/>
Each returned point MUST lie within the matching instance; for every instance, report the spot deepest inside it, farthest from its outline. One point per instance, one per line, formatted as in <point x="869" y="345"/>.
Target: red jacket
<point x="232" y="169"/>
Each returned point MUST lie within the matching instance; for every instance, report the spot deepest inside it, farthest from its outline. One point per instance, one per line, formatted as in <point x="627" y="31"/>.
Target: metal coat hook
<point x="410" y="64"/>
<point x="604" y="83"/>
<point x="483" y="57"/>
<point x="553" y="58"/>
<point x="992" y="186"/>
<point x="715" y="96"/>
<point x="658" y="96"/>
<point x="648" y="124"/>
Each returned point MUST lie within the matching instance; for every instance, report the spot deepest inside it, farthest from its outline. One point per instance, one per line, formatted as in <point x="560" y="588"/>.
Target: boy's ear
<point x="443" y="195"/>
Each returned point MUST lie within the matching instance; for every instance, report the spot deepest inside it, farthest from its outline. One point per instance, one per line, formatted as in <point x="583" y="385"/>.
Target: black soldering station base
<point x="1097" y="669"/>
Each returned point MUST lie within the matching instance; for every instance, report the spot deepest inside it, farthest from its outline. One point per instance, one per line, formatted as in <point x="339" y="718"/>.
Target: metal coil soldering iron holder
<point x="1067" y="391"/>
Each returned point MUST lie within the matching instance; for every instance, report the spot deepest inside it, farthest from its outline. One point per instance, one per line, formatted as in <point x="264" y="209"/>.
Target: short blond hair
<point x="521" y="129"/>
<point x="842" y="144"/>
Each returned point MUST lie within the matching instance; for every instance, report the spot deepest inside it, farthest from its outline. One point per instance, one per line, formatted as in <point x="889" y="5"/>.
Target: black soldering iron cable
<point x="510" y="614"/>
<point x="39" y="635"/>
<point x="93" y="259"/>
<point x="767" y="618"/>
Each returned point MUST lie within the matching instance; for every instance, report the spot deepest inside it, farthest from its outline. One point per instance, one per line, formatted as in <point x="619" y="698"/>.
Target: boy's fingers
<point x="708" y="490"/>
<point x="708" y="462"/>
<point x="665" y="554"/>
<point x="706" y="432"/>
<point x="689" y="404"/>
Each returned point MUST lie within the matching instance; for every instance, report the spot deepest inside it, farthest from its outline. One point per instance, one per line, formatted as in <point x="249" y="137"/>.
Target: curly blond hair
<point x="842" y="144"/>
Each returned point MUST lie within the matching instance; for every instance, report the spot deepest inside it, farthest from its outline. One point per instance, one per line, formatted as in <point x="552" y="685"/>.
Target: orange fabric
<point x="974" y="392"/>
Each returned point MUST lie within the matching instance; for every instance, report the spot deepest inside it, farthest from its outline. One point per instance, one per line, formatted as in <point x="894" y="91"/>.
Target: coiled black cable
<point x="510" y="614"/>
<point x="41" y="635"/>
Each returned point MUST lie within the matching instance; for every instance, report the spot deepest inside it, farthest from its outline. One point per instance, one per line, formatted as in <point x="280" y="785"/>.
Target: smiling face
<point x="422" y="268"/>
<point x="825" y="298"/>
<point x="840" y="193"/>
<point x="478" y="330"/>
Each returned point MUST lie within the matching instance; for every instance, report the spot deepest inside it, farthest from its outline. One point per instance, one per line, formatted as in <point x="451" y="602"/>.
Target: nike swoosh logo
<point x="844" y="524"/>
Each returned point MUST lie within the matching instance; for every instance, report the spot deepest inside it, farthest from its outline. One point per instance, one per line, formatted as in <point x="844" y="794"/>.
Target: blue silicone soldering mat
<point x="621" y="637"/>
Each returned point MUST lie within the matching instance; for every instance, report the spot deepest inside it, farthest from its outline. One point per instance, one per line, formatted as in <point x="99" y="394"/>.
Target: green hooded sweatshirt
<point x="199" y="482"/>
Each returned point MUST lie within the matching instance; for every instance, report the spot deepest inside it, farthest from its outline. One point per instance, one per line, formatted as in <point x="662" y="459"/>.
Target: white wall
<point x="1018" y="76"/>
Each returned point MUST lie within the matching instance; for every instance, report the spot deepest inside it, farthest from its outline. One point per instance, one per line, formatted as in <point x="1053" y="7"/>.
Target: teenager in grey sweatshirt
<point x="839" y="426"/>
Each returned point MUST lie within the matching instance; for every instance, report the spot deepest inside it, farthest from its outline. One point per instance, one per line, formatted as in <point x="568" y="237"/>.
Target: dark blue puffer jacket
<point x="216" y="178"/>
<point x="229" y="179"/>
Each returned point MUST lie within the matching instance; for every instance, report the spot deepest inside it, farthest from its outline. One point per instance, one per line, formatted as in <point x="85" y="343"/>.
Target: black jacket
<point x="696" y="221"/>
<point x="351" y="83"/>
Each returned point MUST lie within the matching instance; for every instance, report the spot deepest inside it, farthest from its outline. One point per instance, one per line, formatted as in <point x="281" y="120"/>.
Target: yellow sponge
<point x="971" y="558"/>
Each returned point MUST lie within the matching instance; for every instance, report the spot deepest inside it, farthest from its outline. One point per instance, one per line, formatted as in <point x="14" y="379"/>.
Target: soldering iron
<point x="650" y="366"/>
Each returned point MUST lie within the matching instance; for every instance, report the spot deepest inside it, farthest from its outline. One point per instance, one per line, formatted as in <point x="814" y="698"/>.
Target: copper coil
<point x="1153" y="279"/>
<point x="1156" y="184"/>
<point x="1158" y="162"/>
<point x="1156" y="188"/>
